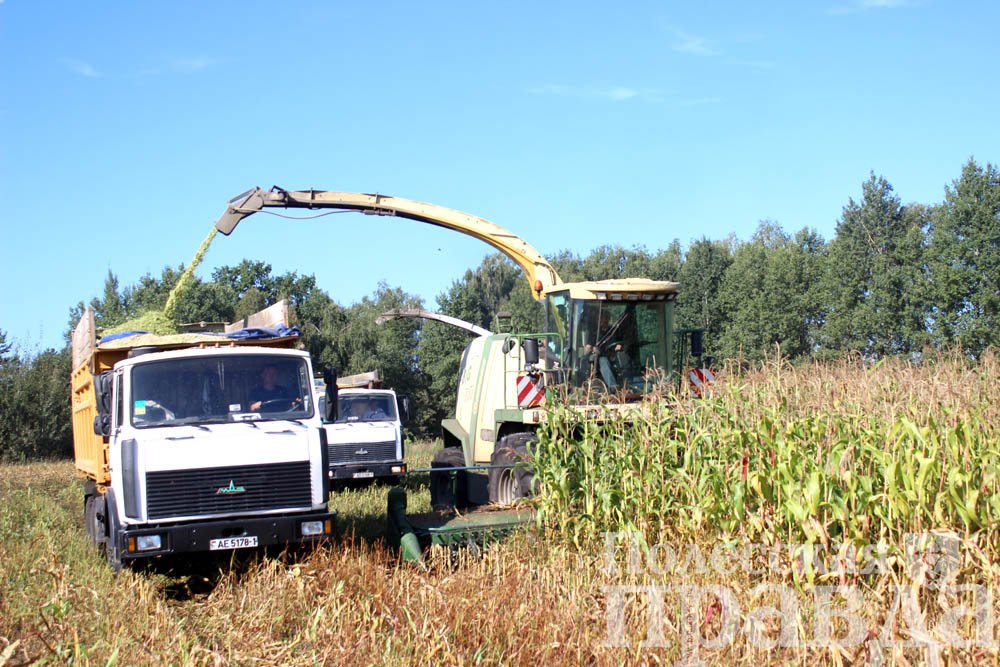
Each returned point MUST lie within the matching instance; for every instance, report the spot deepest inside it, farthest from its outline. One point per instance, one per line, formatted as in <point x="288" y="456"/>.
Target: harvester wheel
<point x="506" y="485"/>
<point x="446" y="492"/>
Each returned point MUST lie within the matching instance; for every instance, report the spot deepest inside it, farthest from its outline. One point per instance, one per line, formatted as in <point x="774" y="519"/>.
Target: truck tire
<point x="507" y="485"/>
<point x="112" y="545"/>
<point x="90" y="519"/>
<point x="443" y="495"/>
<point x="90" y="498"/>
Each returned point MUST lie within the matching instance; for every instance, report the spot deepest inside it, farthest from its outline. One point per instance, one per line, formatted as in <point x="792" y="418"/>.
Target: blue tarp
<point x="250" y="333"/>
<point x="264" y="332"/>
<point x="116" y="336"/>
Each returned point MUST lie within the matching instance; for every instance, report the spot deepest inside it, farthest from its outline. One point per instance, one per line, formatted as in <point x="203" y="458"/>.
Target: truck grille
<point x="228" y="489"/>
<point x="369" y="451"/>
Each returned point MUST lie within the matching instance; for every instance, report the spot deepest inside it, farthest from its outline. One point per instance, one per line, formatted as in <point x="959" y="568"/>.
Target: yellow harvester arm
<point x="540" y="274"/>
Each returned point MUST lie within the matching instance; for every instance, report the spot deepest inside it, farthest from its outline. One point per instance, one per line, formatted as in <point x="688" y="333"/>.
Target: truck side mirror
<point x="102" y="392"/>
<point x="404" y="408"/>
<point x="330" y="378"/>
<point x="103" y="389"/>
<point x="696" y="348"/>
<point x="102" y="425"/>
<point x="530" y="346"/>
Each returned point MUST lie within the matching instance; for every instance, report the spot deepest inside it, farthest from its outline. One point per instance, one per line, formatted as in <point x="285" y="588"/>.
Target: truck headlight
<point x="398" y="470"/>
<point x="312" y="528"/>
<point x="148" y="543"/>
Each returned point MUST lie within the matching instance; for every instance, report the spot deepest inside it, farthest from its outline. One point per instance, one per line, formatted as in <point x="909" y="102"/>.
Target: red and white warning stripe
<point x="701" y="379"/>
<point x="530" y="391"/>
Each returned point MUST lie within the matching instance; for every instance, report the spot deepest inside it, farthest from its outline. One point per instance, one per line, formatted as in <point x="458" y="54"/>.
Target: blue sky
<point x="126" y="126"/>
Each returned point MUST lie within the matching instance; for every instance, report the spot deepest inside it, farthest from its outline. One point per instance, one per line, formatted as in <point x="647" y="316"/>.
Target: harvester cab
<point x="615" y="336"/>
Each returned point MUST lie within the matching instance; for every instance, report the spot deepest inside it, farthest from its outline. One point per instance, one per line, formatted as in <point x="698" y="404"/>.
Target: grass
<point x="677" y="478"/>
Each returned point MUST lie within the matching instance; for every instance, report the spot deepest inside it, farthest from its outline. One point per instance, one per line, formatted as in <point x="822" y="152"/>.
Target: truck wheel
<point x="443" y="494"/>
<point x="506" y="485"/>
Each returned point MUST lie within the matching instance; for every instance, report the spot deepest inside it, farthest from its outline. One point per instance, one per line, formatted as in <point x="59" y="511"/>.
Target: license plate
<point x="363" y="475"/>
<point x="244" y="542"/>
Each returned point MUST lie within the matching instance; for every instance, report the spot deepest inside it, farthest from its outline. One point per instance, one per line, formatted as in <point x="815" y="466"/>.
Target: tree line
<point x="896" y="279"/>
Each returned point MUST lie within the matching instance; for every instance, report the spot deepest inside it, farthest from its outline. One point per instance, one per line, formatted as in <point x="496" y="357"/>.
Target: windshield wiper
<point x="200" y="422"/>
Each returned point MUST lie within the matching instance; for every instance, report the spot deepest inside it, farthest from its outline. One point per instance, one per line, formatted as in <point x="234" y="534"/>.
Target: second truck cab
<point x="365" y="437"/>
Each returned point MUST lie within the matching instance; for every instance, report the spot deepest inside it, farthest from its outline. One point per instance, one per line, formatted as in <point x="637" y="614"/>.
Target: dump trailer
<point x="197" y="442"/>
<point x="365" y="437"/>
<point x="608" y="348"/>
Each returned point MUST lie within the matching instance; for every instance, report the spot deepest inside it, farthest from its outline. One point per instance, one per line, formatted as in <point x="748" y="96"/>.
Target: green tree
<point x="111" y="309"/>
<point x="247" y="275"/>
<point x="965" y="260"/>
<point x="5" y="347"/>
<point x="698" y="305"/>
<point x="35" y="417"/>
<point x="568" y="265"/>
<point x="320" y="319"/>
<point x="874" y="281"/>
<point x="666" y="264"/>
<point x="612" y="261"/>
<point x="770" y="296"/>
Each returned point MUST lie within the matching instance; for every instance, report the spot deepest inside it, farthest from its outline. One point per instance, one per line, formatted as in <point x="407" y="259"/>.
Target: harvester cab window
<point x="616" y="344"/>
<point x="556" y="316"/>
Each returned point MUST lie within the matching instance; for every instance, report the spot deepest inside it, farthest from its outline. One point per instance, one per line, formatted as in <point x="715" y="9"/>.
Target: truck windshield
<point x="206" y="390"/>
<point x="618" y="345"/>
<point x="366" y="408"/>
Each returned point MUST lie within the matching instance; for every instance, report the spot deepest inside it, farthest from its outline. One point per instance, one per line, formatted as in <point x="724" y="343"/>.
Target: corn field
<point x="840" y="454"/>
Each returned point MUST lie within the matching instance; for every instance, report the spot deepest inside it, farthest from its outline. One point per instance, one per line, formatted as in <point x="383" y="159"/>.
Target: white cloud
<point x="81" y="68"/>
<point x="609" y="93"/>
<point x="753" y="64"/>
<point x="622" y="93"/>
<point x="176" y="65"/>
<point x="697" y="102"/>
<point x="619" y="93"/>
<point x="691" y="44"/>
<point x="190" y="64"/>
<point x="857" y="6"/>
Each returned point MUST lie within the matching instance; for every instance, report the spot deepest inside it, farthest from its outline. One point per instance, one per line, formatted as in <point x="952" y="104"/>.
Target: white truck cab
<point x="365" y="437"/>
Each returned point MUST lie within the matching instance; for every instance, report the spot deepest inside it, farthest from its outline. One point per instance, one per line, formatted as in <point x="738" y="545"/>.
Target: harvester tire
<point x="445" y="495"/>
<point x="506" y="485"/>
